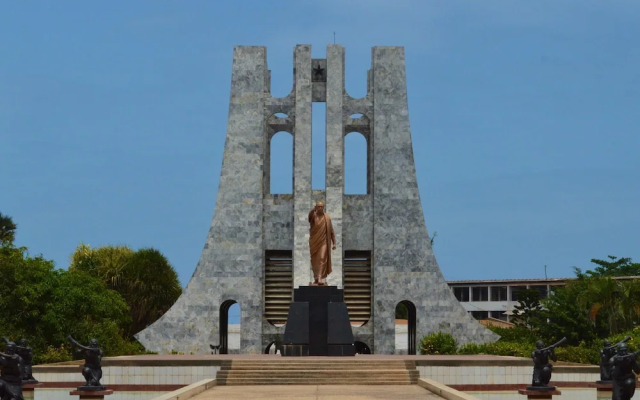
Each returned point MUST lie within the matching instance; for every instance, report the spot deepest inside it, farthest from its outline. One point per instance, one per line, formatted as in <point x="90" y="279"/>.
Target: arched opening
<point x="281" y="163"/>
<point x="355" y="163"/>
<point x="405" y="327"/>
<point x="361" y="347"/>
<point x="273" y="348"/>
<point x="229" y="327"/>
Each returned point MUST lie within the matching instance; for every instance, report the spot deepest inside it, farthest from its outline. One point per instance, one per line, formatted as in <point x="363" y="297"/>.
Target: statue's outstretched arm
<point x="75" y="343"/>
<point x="12" y="356"/>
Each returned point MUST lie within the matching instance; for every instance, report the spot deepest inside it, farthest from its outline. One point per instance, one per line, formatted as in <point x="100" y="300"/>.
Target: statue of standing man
<point x="322" y="240"/>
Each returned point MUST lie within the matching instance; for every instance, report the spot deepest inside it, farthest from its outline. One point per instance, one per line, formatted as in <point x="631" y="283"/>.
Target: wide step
<point x="317" y="372"/>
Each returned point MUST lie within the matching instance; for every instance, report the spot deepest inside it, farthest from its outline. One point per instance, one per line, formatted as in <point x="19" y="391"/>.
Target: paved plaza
<point x="319" y="392"/>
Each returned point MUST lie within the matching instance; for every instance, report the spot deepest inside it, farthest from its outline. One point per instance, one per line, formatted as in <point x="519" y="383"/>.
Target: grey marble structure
<point x="388" y="220"/>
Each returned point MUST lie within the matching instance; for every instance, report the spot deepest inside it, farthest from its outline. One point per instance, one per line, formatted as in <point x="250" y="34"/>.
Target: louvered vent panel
<point x="356" y="268"/>
<point x="278" y="285"/>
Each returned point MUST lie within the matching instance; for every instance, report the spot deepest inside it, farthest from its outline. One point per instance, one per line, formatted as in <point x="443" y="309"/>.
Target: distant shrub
<point x="515" y="334"/>
<point x="504" y="348"/>
<point x="438" y="343"/>
<point x="54" y="355"/>
<point x="578" y="354"/>
<point x="472" y="348"/>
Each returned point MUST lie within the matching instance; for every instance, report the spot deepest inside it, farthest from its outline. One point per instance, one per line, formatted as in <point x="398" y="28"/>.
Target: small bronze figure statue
<point x="322" y="239"/>
<point x="541" y="365"/>
<point x="26" y="352"/>
<point x="92" y="369"/>
<point x="11" y="375"/>
<point x="623" y="366"/>
<point x="606" y="353"/>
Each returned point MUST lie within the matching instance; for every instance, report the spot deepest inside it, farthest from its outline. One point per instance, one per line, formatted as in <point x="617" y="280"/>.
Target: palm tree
<point x="7" y="230"/>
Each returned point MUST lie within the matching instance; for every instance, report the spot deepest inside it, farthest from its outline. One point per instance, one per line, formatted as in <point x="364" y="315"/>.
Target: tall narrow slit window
<point x="281" y="163"/>
<point x="355" y="164"/>
<point x="318" y="145"/>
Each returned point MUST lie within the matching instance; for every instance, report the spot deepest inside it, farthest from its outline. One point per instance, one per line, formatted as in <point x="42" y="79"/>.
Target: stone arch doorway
<point x="224" y="325"/>
<point x="406" y="310"/>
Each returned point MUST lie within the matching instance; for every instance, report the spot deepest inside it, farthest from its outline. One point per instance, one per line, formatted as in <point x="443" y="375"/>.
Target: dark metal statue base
<point x="318" y="323"/>
<point x="541" y="388"/>
<point x="86" y="388"/>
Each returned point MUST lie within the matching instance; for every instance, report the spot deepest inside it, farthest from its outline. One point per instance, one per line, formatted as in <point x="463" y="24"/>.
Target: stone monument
<point x="256" y="251"/>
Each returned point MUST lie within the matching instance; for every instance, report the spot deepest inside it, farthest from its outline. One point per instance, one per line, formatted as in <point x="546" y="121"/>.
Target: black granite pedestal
<point x="318" y="323"/>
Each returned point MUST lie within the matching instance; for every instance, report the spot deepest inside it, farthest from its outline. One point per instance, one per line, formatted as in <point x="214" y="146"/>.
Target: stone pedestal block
<point x="318" y="324"/>
<point x="91" y="394"/>
<point x="539" y="392"/>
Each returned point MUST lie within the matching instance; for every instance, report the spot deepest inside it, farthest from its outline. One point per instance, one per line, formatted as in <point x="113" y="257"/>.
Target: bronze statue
<point x="11" y="374"/>
<point x="623" y="366"/>
<point x="92" y="369"/>
<point x="541" y="365"/>
<point x="606" y="353"/>
<point x="23" y="350"/>
<point x="321" y="239"/>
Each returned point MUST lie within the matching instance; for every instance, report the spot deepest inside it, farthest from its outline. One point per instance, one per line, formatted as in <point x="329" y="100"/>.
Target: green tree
<point x="144" y="278"/>
<point x="528" y="311"/>
<point x="564" y="316"/>
<point x="44" y="305"/>
<point x="593" y="306"/>
<point x="84" y="307"/>
<point x="614" y="266"/>
<point x="7" y="230"/>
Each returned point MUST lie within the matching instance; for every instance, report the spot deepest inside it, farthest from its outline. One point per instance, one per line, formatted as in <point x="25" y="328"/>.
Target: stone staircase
<point x="305" y="371"/>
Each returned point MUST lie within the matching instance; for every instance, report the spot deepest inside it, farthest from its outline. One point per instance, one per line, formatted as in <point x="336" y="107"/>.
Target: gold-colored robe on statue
<point x="321" y="237"/>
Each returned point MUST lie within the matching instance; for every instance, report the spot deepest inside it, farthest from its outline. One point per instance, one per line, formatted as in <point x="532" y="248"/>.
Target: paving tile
<point x="319" y="392"/>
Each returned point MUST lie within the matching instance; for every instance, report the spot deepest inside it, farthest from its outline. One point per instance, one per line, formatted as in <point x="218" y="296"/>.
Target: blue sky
<point x="524" y="117"/>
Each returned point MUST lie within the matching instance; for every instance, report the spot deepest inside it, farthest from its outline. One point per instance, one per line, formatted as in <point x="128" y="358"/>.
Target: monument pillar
<point x="302" y="203"/>
<point x="335" y="154"/>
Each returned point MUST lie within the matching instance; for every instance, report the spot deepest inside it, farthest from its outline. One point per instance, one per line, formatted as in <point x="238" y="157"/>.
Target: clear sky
<point x="525" y="118"/>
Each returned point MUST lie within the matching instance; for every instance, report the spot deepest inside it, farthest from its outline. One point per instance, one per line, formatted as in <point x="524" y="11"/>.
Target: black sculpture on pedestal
<point x="623" y="366"/>
<point x="606" y="353"/>
<point x="11" y="375"/>
<point x="92" y="369"/>
<point x="542" y="367"/>
<point x="23" y="350"/>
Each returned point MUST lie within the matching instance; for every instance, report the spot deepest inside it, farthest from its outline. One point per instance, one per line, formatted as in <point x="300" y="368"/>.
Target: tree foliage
<point x="593" y="306"/>
<point x="7" y="230"/>
<point x="44" y="305"/>
<point x="528" y="312"/>
<point x="144" y="278"/>
<point x="614" y="266"/>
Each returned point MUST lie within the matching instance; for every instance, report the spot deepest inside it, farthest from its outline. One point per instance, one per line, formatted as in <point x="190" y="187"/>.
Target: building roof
<point x="545" y="281"/>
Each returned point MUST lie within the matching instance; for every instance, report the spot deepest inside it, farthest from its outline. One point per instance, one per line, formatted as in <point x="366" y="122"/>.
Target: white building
<point x="497" y="298"/>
